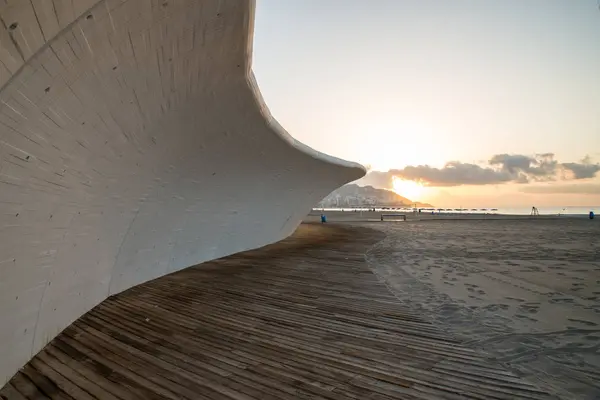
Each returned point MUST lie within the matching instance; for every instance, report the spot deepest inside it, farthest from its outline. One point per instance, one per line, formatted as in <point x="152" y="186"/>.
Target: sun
<point x="410" y="189"/>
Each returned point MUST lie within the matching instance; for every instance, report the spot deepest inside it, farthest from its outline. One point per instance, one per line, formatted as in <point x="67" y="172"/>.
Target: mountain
<point x="354" y="195"/>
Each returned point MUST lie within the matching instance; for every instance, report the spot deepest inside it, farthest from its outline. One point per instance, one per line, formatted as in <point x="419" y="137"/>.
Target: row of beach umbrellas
<point x="443" y="209"/>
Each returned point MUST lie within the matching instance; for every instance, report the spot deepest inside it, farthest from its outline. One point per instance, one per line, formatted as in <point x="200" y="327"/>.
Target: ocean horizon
<point x="563" y="211"/>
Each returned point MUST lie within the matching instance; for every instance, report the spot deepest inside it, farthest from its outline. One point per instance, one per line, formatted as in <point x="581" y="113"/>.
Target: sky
<point x="480" y="102"/>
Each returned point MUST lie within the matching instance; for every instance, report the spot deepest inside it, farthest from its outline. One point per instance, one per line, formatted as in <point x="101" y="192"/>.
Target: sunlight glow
<point x="410" y="189"/>
<point x="399" y="132"/>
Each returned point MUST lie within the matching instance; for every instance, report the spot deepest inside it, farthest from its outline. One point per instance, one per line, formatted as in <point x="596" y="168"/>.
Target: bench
<point x="403" y="216"/>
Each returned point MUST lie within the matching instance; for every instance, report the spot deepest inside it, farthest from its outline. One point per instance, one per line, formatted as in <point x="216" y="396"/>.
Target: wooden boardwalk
<point x="302" y="319"/>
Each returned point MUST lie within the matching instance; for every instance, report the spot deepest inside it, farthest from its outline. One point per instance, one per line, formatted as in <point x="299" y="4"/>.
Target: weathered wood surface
<point x="301" y="319"/>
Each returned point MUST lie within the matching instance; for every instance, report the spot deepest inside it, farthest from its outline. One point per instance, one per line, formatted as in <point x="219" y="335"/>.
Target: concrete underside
<point x="133" y="143"/>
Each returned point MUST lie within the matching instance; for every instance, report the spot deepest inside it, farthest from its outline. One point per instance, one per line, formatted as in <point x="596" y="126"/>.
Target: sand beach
<point x="525" y="290"/>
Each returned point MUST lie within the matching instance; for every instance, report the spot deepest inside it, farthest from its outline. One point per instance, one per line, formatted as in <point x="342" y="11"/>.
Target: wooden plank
<point x="26" y="387"/>
<point x="78" y="383"/>
<point x="236" y="368"/>
<point x="178" y="372"/>
<point x="136" y="365"/>
<point x="10" y="392"/>
<point x="43" y="383"/>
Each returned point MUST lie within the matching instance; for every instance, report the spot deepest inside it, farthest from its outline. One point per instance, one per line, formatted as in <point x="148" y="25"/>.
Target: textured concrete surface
<point x="133" y="143"/>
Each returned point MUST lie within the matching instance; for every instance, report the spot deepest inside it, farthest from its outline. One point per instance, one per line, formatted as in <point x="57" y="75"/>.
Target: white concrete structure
<point x="133" y="143"/>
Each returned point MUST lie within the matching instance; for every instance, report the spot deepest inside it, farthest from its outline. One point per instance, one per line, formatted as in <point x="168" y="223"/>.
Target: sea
<point x="562" y="211"/>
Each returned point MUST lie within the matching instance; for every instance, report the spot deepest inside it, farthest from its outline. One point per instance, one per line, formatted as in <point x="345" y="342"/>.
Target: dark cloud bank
<point x="501" y="168"/>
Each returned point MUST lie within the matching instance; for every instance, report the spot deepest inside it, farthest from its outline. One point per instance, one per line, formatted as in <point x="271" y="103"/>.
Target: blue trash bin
<point x="591" y="215"/>
<point x="323" y="218"/>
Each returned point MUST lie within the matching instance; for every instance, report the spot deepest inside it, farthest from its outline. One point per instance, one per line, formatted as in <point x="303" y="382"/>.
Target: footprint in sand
<point x="514" y="298"/>
<point x="559" y="300"/>
<point x="462" y="274"/>
<point x="521" y="316"/>
<point x="530" y="308"/>
<point x="470" y="289"/>
<point x="595" y="308"/>
<point x="582" y="321"/>
<point x="481" y="291"/>
<point x="496" y="307"/>
<point x="449" y="308"/>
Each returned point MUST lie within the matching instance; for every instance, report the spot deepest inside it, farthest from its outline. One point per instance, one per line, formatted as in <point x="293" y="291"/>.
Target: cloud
<point x="512" y="162"/>
<point x="581" y="188"/>
<point x="584" y="169"/>
<point x="500" y="168"/>
<point x="539" y="167"/>
<point x="454" y="173"/>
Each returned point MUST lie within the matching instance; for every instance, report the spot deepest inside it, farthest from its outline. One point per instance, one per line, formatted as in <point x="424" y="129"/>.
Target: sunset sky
<point x="485" y="102"/>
